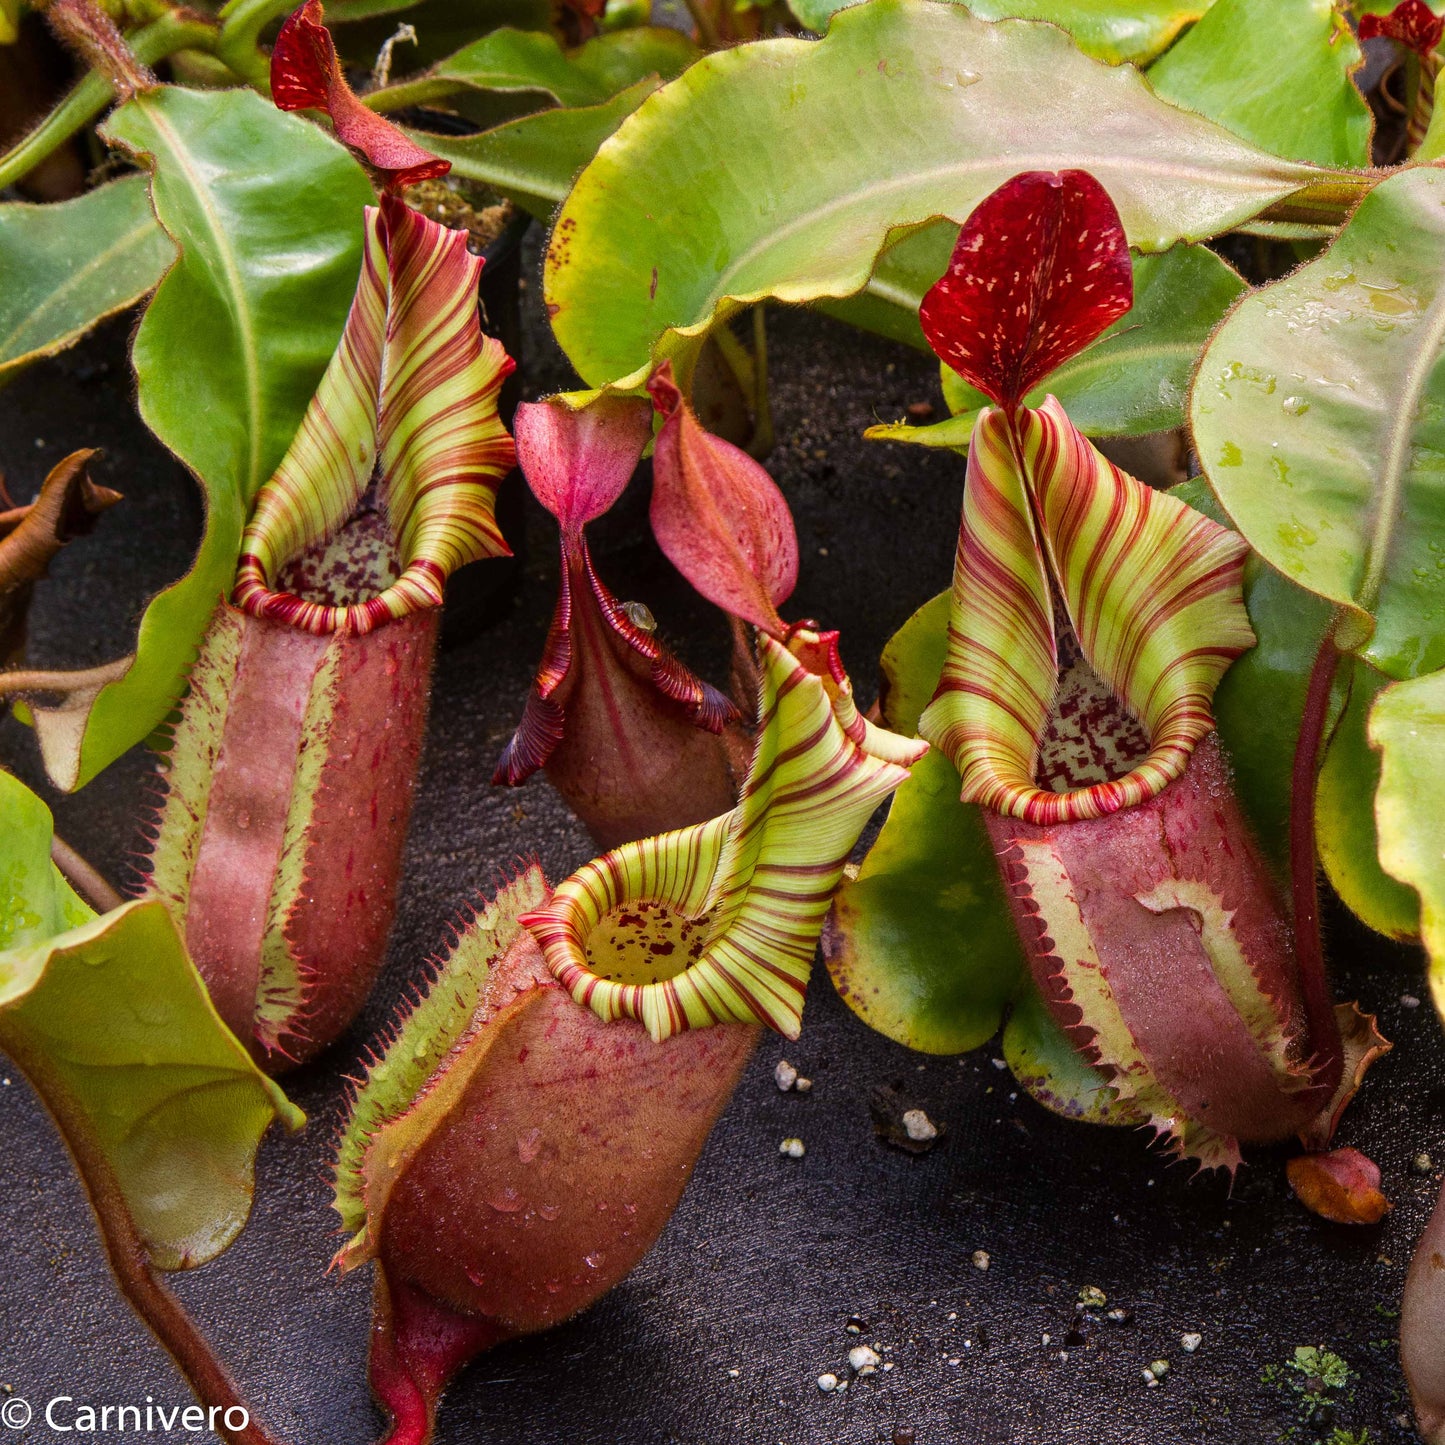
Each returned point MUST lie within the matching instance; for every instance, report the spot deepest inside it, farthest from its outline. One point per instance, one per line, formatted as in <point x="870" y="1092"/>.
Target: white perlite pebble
<point x="793" y="1148"/>
<point x="785" y="1075"/>
<point x="980" y="1259"/>
<point x="1190" y="1342"/>
<point x="804" y="1086"/>
<point x="827" y="1383"/>
<point x="863" y="1360"/>
<point x="1409" y="1000"/>
<point x="918" y="1126"/>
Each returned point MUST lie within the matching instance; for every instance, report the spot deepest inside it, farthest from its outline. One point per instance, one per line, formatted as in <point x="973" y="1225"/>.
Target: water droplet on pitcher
<point x="594" y="1260"/>
<point x="1294" y="406"/>
<point x="507" y="1202"/>
<point x="549" y="1211"/>
<point x="528" y="1144"/>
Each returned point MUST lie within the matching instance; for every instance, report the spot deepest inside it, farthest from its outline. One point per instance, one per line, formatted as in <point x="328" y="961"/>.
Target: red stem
<point x="165" y="1315"/>
<point x="1319" y="1004"/>
<point x="130" y="1262"/>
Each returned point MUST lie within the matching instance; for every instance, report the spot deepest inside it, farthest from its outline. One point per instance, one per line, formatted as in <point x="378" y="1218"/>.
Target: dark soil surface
<point x="719" y="1337"/>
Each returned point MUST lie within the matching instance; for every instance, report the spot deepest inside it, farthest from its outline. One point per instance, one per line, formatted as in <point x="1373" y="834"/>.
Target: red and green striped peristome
<point x="1055" y="537"/>
<point x="739" y="900"/>
<point x="410" y="395"/>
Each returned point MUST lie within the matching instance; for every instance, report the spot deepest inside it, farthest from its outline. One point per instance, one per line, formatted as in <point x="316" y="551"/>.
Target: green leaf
<point x="113" y="1026"/>
<point x="1383" y="7"/>
<point x="1258" y="708"/>
<point x="588" y="75"/>
<point x="267" y="213"/>
<point x="888" y="304"/>
<point x="923" y="948"/>
<point x="533" y="60"/>
<point x="907" y="111"/>
<point x="1407" y="725"/>
<point x="1345" y="824"/>
<point x="72" y="264"/>
<point x="1044" y="1062"/>
<point x="533" y="160"/>
<point x="1277" y="72"/>
<point x="1135" y="379"/>
<point x="1319" y="415"/>
<point x="1111" y="30"/>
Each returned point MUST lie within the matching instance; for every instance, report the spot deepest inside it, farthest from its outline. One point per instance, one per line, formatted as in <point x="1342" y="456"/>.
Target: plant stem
<point x="129" y="1259"/>
<point x="84" y="877"/>
<point x="707" y="31"/>
<point x="246" y="19"/>
<point x="762" y="438"/>
<point x="419" y="91"/>
<point x="1328" y="1056"/>
<point x="36" y="680"/>
<point x="162" y="1311"/>
<point x="1323" y="203"/>
<point x="149" y="44"/>
<point x="242" y="22"/>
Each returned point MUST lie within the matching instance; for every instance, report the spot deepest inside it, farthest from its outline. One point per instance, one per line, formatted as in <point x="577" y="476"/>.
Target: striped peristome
<point x="411" y="396"/>
<point x="1151" y="589"/>
<point x="758" y="879"/>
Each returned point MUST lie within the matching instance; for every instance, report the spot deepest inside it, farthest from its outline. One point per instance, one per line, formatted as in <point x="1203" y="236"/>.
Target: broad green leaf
<point x="1277" y="72"/>
<point x="888" y="304"/>
<point x="533" y="160"/>
<point x="1319" y="415"/>
<point x="1045" y="1063"/>
<point x="1383" y="7"/>
<point x="1111" y="30"/>
<point x="72" y="264"/>
<point x="266" y="211"/>
<point x="1345" y="824"/>
<point x="510" y="59"/>
<point x="907" y="110"/>
<point x="1258" y="708"/>
<point x="923" y="947"/>
<point x="1407" y="725"/>
<point x="111" y="1023"/>
<point x="1135" y="379"/>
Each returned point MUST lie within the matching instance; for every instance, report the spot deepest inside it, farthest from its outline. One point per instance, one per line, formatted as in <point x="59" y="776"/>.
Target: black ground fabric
<point x="720" y="1336"/>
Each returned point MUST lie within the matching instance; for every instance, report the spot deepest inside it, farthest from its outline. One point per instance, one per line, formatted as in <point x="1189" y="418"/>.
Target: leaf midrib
<point x="1043" y="160"/>
<point x="240" y="304"/>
